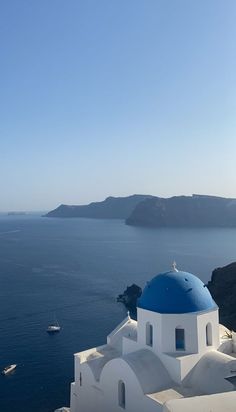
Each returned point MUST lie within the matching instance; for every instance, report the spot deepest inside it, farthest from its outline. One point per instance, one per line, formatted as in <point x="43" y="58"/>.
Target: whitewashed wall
<point x="103" y="395"/>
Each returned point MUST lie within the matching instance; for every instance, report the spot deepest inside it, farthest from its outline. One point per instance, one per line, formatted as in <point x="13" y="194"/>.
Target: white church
<point x="176" y="357"/>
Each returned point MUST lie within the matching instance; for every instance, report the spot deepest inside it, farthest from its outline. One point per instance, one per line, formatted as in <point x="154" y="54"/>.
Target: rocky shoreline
<point x="223" y="289"/>
<point x="129" y="298"/>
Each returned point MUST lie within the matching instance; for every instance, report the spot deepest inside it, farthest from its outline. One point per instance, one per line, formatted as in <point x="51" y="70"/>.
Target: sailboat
<point x="54" y="327"/>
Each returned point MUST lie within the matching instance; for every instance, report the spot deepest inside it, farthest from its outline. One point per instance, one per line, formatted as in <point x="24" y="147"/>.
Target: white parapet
<point x="220" y="402"/>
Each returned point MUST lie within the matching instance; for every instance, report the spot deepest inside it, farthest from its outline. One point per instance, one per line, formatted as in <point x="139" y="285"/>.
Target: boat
<point x="8" y="369"/>
<point x="54" y="327"/>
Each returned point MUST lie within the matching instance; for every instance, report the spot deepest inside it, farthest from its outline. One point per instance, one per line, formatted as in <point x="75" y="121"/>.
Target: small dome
<point x="176" y="292"/>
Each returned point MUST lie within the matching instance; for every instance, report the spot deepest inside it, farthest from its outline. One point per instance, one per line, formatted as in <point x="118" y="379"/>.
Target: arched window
<point x="121" y="394"/>
<point x="179" y="339"/>
<point x="209" y="334"/>
<point x="149" y="334"/>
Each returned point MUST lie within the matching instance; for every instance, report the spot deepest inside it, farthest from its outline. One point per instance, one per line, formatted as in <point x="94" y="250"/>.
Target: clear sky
<point x="115" y="97"/>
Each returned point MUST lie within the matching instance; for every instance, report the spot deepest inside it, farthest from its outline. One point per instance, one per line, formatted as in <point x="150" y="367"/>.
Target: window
<point x="121" y="394"/>
<point x="179" y="339"/>
<point x="149" y="334"/>
<point x="209" y="334"/>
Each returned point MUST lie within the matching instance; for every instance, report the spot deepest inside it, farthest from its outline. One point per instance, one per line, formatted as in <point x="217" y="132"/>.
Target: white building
<point x="174" y="358"/>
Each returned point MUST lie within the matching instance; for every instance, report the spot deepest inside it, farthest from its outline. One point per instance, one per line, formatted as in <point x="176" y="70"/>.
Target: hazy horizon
<point x="109" y="98"/>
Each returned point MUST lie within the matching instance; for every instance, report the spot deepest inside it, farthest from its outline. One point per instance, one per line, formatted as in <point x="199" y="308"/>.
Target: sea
<point x="72" y="270"/>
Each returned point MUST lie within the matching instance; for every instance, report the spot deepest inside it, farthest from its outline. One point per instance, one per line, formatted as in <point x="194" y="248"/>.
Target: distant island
<point x="184" y="211"/>
<point x="152" y="211"/>
<point x="110" y="208"/>
<point x="16" y="213"/>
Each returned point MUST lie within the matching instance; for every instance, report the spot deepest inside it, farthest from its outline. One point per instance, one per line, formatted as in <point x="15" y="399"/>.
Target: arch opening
<point x="149" y="334"/>
<point x="179" y="339"/>
<point x="121" y="394"/>
<point x="209" y="334"/>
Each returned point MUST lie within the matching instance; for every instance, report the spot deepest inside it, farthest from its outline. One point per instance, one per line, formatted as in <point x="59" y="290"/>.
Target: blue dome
<point x="176" y="292"/>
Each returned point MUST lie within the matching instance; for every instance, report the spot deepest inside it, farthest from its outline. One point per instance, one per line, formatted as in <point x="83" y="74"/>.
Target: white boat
<point x="8" y="369"/>
<point x="54" y="327"/>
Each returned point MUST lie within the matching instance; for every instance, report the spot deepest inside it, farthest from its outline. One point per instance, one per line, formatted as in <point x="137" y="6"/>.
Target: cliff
<point x="223" y="289"/>
<point x="130" y="296"/>
<point x="110" y="208"/>
<point x="146" y="210"/>
<point x="184" y="211"/>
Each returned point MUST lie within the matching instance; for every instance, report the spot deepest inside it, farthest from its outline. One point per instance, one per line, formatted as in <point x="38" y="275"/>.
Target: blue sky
<point x="114" y="97"/>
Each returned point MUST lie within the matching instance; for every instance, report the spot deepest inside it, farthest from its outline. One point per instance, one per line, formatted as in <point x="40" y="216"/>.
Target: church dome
<point x="176" y="292"/>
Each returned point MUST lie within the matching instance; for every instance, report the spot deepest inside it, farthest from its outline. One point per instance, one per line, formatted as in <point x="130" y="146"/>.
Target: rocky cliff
<point x="110" y="208"/>
<point x="130" y="296"/>
<point x="146" y="210"/>
<point x="184" y="211"/>
<point x="223" y="289"/>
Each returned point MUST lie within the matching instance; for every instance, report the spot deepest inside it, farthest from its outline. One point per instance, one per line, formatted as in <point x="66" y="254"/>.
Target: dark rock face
<point x="184" y="211"/>
<point x="223" y="290"/>
<point x="130" y="297"/>
<point x="146" y="210"/>
<point x="110" y="208"/>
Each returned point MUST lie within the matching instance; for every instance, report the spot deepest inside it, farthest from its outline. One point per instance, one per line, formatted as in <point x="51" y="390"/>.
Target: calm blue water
<point x="75" y="268"/>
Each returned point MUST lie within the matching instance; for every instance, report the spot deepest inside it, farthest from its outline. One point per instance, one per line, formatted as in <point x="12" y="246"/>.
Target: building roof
<point x="97" y="358"/>
<point x="126" y="329"/>
<point x="149" y="370"/>
<point x="218" y="402"/>
<point x="212" y="373"/>
<point x="176" y="292"/>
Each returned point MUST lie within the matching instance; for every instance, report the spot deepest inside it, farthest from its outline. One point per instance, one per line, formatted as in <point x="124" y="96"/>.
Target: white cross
<point x="174" y="266"/>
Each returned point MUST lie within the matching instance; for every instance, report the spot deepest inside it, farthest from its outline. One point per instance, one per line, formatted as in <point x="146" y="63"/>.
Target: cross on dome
<point x="174" y="267"/>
